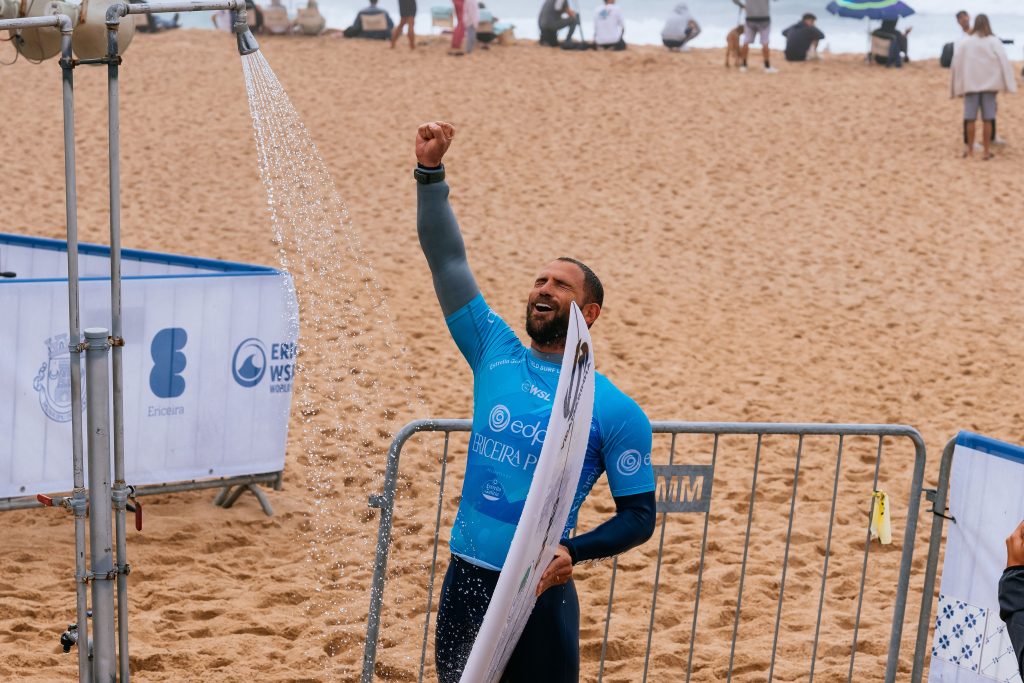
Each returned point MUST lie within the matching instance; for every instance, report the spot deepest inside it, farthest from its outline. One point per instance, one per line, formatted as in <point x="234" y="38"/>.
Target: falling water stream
<point x="347" y="340"/>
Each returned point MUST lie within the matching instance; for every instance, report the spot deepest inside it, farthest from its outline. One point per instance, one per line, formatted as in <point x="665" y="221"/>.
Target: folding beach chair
<point x="505" y="32"/>
<point x="310" y="21"/>
<point x="374" y="22"/>
<point x="275" y="19"/>
<point x="442" y="17"/>
<point x="881" y="48"/>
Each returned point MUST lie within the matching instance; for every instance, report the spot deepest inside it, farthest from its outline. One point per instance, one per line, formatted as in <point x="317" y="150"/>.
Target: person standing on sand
<point x="759" y="25"/>
<point x="471" y="17"/>
<point x="407" y="17"/>
<point x="460" y="27"/>
<point x="963" y="20"/>
<point x="979" y="71"/>
<point x="513" y="386"/>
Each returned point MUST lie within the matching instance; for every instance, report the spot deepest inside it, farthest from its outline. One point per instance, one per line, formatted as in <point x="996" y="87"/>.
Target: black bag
<point x="947" y="56"/>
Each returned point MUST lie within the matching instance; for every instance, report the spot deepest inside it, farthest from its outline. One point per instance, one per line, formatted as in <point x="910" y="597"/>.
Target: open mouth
<point x="541" y="307"/>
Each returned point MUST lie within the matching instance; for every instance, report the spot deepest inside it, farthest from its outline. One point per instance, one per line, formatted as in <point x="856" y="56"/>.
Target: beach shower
<point x="91" y="32"/>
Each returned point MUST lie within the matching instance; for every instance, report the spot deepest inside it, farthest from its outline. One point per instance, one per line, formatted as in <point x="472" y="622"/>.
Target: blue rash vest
<point x="512" y="393"/>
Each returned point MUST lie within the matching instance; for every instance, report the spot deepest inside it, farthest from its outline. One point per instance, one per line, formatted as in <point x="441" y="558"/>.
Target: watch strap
<point x="426" y="175"/>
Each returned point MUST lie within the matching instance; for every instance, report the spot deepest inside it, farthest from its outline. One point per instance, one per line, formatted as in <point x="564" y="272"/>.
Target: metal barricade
<point x="686" y="487"/>
<point x="928" y="594"/>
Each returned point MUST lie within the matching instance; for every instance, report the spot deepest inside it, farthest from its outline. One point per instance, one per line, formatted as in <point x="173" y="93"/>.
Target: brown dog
<point x="732" y="45"/>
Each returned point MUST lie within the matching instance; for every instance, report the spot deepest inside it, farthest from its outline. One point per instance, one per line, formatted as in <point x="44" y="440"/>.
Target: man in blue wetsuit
<point x="513" y="386"/>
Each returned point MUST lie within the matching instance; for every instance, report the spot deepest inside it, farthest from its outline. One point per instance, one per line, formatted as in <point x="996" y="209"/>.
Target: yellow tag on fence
<point x="880" y="518"/>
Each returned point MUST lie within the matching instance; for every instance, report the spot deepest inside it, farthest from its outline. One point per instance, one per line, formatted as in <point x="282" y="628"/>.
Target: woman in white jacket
<point x="980" y="69"/>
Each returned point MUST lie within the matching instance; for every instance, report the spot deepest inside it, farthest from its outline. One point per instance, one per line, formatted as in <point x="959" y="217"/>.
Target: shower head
<point x="246" y="42"/>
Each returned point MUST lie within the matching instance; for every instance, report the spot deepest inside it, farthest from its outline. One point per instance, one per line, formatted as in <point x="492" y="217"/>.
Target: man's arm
<point x="632" y="525"/>
<point x="436" y="226"/>
<point x="1011" y="593"/>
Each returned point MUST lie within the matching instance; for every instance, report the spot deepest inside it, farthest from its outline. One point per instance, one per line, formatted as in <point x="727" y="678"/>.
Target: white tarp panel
<point x="208" y="366"/>
<point x="970" y="643"/>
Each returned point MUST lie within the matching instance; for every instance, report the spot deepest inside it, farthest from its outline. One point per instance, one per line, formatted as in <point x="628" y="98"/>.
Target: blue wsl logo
<point x="252" y="362"/>
<point x="53" y="381"/>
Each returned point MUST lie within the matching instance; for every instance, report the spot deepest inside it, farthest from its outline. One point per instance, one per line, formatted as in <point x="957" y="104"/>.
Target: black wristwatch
<point x="426" y="175"/>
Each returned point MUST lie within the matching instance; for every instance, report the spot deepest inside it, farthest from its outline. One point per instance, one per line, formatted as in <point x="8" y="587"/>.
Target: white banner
<point x="970" y="643"/>
<point x="208" y="359"/>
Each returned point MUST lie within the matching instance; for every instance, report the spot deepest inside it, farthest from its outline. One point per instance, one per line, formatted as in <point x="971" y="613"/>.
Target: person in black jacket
<point x="802" y="39"/>
<point x="1011" y="593"/>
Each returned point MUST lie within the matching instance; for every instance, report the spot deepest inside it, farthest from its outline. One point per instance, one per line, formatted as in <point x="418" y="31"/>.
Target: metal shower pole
<point x="101" y="556"/>
<point x="246" y="45"/>
<point x="97" y="341"/>
<point x="77" y="502"/>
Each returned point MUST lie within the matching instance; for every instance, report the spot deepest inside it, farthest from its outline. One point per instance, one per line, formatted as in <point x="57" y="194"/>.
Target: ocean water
<point x="933" y="25"/>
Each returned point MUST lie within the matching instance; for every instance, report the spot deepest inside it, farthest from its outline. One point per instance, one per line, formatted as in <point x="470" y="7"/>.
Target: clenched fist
<point x="432" y="141"/>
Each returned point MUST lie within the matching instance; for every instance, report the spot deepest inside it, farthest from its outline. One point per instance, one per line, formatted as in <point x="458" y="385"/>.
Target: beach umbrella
<point x="871" y="9"/>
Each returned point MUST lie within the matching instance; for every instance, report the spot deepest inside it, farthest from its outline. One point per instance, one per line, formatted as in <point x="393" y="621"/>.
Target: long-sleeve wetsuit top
<point x="1011" y="609"/>
<point x="513" y="387"/>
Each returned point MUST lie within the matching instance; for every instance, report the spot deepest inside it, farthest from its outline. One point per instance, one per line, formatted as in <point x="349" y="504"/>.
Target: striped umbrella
<point x="872" y="9"/>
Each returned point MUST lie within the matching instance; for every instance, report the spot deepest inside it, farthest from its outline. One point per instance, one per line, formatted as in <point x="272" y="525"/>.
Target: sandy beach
<point x="800" y="247"/>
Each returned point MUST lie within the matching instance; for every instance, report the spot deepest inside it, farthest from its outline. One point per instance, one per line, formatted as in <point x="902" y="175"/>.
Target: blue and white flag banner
<point x="209" y="359"/>
<point x="970" y="643"/>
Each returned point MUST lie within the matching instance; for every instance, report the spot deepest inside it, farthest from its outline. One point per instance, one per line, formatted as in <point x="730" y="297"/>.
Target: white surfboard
<point x="545" y="512"/>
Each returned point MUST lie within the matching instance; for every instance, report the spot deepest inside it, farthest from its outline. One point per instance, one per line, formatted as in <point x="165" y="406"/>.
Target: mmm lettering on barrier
<point x="683" y="488"/>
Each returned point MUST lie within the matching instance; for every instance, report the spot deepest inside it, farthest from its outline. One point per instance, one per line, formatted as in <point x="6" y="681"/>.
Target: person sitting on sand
<point x="680" y="28"/>
<point x="371" y="22"/>
<point x="554" y="16"/>
<point x="980" y="69"/>
<point x="609" y="27"/>
<point x="802" y="39"/>
<point x="898" y="52"/>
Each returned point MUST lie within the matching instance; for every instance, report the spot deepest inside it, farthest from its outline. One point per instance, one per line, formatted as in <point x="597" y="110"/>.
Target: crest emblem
<point x="53" y="381"/>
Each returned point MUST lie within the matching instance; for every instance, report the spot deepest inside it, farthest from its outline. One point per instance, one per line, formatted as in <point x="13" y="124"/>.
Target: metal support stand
<point x="101" y="557"/>
<point x="228" y="495"/>
<point x="97" y="657"/>
<point x="77" y="502"/>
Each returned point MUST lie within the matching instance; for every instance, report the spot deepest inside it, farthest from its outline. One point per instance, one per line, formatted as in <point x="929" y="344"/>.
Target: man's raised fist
<point x="432" y="141"/>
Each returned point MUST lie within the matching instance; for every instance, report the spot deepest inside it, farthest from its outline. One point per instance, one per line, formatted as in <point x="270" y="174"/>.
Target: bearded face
<point x="547" y="319"/>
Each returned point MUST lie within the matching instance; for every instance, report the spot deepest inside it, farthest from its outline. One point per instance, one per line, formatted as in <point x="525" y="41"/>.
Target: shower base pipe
<point x="77" y="502"/>
<point x="101" y="556"/>
<point x="246" y="44"/>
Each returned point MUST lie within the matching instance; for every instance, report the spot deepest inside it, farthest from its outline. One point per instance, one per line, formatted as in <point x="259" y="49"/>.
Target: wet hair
<point x="809" y="17"/>
<point x="593" y="290"/>
<point x="981" y="26"/>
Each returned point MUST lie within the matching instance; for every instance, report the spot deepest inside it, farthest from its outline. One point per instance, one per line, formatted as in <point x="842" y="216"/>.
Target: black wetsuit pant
<point x="549" y="649"/>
